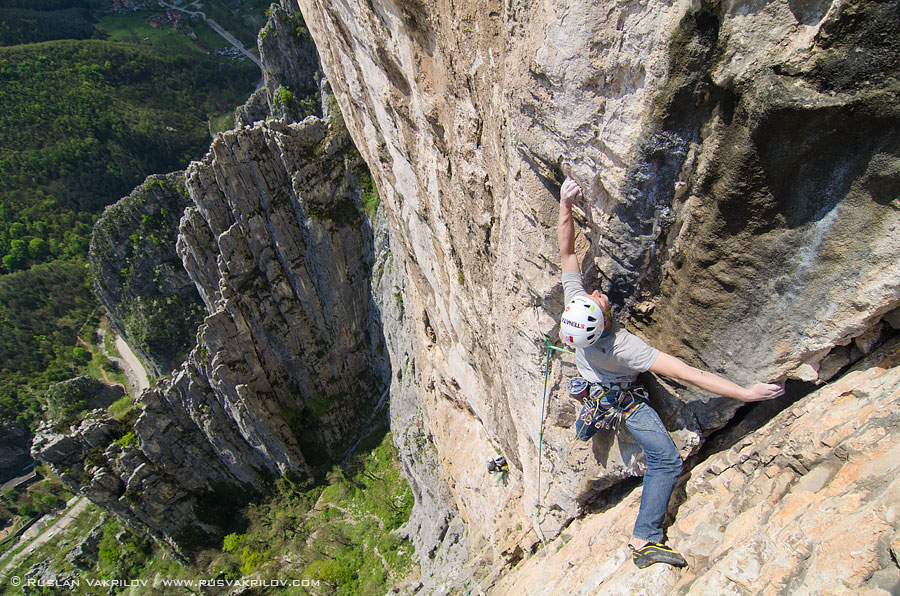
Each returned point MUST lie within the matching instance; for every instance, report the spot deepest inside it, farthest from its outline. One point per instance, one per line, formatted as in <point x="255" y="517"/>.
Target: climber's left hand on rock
<point x="570" y="193"/>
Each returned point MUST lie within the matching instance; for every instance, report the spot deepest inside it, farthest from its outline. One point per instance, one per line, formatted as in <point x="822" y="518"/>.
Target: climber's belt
<point x="607" y="406"/>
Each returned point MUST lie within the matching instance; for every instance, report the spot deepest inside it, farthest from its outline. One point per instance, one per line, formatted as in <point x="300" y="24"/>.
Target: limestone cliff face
<point x="287" y="283"/>
<point x="292" y="72"/>
<point x="285" y="368"/>
<point x="741" y="167"/>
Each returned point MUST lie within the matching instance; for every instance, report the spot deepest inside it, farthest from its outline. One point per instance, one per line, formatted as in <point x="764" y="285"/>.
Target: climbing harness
<point x="606" y="406"/>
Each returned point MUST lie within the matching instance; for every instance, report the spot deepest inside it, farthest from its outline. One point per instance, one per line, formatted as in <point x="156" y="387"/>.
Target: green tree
<point x="81" y="356"/>
<point x="38" y="248"/>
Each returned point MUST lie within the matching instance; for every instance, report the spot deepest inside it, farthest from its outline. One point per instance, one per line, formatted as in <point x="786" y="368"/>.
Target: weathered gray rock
<point x="741" y="185"/>
<point x="290" y="64"/>
<point x="286" y="363"/>
<point x="83" y="555"/>
<point x="893" y="319"/>
<point x="837" y="359"/>
<point x="138" y="277"/>
<point x="256" y="108"/>
<point x="292" y="78"/>
<point x="56" y="448"/>
<point x="86" y="457"/>
<point x="44" y="574"/>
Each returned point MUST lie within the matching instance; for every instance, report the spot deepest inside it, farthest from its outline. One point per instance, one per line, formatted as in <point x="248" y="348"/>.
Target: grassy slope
<point x="339" y="536"/>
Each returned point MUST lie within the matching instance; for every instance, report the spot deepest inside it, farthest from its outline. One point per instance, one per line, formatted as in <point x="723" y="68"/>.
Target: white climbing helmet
<point x="582" y="322"/>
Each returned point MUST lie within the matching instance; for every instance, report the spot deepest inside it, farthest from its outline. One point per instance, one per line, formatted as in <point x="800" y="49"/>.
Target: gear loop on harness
<point x="607" y="407"/>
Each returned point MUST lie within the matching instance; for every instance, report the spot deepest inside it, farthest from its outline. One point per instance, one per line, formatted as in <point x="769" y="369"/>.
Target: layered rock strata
<point x="292" y="72"/>
<point x="741" y="185"/>
<point x="285" y="367"/>
<point x="138" y="276"/>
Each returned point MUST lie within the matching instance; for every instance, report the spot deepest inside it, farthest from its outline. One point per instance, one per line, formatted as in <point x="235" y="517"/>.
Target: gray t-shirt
<point x="618" y="356"/>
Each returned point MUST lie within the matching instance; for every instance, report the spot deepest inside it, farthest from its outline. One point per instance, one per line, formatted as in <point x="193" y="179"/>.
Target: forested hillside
<point x="30" y="21"/>
<point x="82" y="122"/>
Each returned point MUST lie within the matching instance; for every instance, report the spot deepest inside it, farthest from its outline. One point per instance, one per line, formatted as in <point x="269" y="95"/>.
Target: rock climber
<point x="609" y="358"/>
<point x="499" y="467"/>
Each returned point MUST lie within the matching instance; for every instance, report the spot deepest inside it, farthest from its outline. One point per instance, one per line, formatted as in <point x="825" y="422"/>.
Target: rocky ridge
<point x="289" y="357"/>
<point x="138" y="277"/>
<point x="291" y="73"/>
<point x="274" y="243"/>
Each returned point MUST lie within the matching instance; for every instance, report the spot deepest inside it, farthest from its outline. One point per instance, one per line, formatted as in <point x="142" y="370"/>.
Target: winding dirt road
<point x="134" y="370"/>
<point x="76" y="506"/>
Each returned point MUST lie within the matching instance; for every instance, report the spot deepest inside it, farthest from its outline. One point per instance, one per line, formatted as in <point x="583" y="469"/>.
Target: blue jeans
<point x="663" y="469"/>
<point x="663" y="463"/>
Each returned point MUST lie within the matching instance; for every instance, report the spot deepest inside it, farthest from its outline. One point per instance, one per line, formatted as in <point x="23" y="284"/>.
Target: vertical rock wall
<point x="740" y="162"/>
<point x="808" y="504"/>
<point x="286" y="364"/>
<point x="292" y="73"/>
<point x="277" y="253"/>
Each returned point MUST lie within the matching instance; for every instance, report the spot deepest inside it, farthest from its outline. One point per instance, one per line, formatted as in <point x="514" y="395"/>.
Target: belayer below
<point x="609" y="358"/>
<point x="499" y="467"/>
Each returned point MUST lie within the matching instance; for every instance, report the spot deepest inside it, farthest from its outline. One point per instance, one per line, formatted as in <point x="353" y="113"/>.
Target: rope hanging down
<point x="549" y="347"/>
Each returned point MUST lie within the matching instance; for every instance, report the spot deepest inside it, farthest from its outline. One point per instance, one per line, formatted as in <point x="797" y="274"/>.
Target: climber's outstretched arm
<point x="565" y="228"/>
<point x="670" y="366"/>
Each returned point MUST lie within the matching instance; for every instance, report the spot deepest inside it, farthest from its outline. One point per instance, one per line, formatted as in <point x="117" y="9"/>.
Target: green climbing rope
<point x="543" y="406"/>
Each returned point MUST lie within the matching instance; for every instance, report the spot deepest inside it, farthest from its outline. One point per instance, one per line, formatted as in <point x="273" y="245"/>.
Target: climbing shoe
<point x="652" y="553"/>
